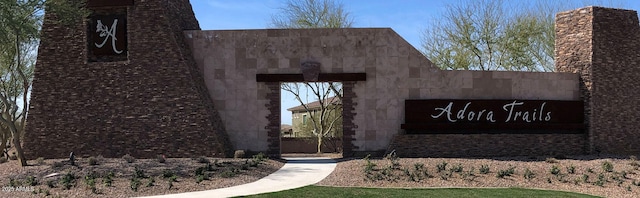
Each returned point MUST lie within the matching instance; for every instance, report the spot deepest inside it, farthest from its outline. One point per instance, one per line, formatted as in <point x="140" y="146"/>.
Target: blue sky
<point x="407" y="17"/>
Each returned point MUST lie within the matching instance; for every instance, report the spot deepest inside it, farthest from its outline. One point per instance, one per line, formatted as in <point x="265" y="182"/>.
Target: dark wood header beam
<point x="323" y="77"/>
<point x="107" y="3"/>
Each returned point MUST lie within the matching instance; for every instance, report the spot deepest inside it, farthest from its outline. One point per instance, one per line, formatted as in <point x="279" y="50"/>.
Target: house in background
<point x="302" y="125"/>
<point x="286" y="130"/>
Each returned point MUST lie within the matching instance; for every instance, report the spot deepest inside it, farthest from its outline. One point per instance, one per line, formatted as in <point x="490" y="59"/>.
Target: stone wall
<point x="153" y="103"/>
<point x="395" y="71"/>
<point x="602" y="45"/>
<point x="309" y="145"/>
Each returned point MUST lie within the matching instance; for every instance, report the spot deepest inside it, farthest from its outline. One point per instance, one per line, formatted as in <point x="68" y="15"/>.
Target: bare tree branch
<point x="312" y="14"/>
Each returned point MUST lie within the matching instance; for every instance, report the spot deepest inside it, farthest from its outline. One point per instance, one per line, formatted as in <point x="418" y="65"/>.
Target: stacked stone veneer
<point x="153" y="103"/>
<point x="395" y="71"/>
<point x="603" y="45"/>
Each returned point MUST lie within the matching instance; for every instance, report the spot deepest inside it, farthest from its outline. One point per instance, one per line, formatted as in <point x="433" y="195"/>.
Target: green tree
<point x="20" y="24"/>
<point x="495" y="35"/>
<point x="323" y="120"/>
<point x="332" y="139"/>
<point x="312" y="14"/>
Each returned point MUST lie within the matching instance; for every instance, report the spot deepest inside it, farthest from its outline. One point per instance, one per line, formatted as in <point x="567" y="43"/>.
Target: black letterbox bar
<point x="108" y="3"/>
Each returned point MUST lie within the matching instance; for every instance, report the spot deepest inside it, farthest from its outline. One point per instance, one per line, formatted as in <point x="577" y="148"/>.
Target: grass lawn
<point x="332" y="192"/>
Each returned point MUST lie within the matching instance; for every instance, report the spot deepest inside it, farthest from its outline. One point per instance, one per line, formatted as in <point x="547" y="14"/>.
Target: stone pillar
<point x="348" y="113"/>
<point x="273" y="134"/>
<point x="141" y="94"/>
<point x="603" y="46"/>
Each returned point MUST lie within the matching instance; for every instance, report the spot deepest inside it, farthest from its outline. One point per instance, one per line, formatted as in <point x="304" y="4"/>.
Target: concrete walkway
<point x="296" y="173"/>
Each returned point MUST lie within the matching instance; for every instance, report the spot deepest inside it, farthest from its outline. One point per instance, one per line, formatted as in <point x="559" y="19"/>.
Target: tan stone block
<point x="370" y="119"/>
<point x="370" y="135"/>
<point x="393" y="112"/>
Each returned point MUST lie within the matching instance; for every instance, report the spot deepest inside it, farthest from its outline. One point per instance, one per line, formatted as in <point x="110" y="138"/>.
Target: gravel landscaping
<point x="601" y="176"/>
<point x="606" y="176"/>
<point x="116" y="177"/>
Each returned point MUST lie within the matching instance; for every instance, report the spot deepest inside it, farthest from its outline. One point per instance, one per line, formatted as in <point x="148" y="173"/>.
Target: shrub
<point x="393" y="158"/>
<point x="40" y="161"/>
<point x="528" y="174"/>
<point x="93" y="161"/>
<point x="173" y="178"/>
<point x="601" y="180"/>
<point x="456" y="168"/>
<point x="633" y="157"/>
<point x="441" y="167"/>
<point x="562" y="178"/>
<point x="238" y="154"/>
<point x="618" y="177"/>
<point x="554" y="170"/>
<point x="590" y="170"/>
<point x="201" y="171"/>
<point x="168" y="173"/>
<point x="68" y="181"/>
<point x="3" y="160"/>
<point x="551" y="160"/>
<point x="260" y="157"/>
<point x="571" y="169"/>
<point x="151" y="182"/>
<point x="134" y="184"/>
<point x="13" y="182"/>
<point x="199" y="178"/>
<point x="418" y="166"/>
<point x="31" y="181"/>
<point x="252" y="163"/>
<point x="108" y="179"/>
<point x="507" y="172"/>
<point x="468" y="175"/>
<point x="90" y="176"/>
<point x="369" y="166"/>
<point x="255" y="160"/>
<point x="445" y="175"/>
<point x="585" y="178"/>
<point x="484" y="169"/>
<point x="228" y="174"/>
<point x="128" y="158"/>
<point x="90" y="180"/>
<point x="607" y="166"/>
<point x="138" y="173"/>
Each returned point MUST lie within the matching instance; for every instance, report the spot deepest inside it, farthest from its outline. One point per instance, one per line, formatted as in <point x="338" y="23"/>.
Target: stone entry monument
<point x="141" y="78"/>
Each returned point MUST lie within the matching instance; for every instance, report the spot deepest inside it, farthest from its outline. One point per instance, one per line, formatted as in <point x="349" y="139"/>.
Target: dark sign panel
<point x="108" y="37"/>
<point x="424" y="115"/>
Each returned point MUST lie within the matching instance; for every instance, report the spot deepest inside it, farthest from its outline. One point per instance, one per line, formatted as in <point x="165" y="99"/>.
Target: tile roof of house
<point x="316" y="104"/>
